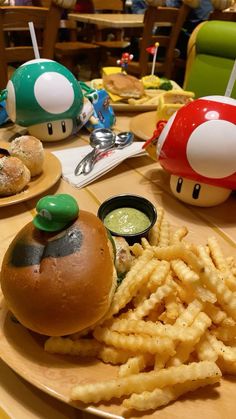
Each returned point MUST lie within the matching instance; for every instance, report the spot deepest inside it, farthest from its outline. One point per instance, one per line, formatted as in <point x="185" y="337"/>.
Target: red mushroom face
<point x="199" y="143"/>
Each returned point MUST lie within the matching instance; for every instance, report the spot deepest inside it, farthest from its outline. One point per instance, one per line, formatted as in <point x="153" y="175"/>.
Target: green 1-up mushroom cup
<point x="45" y="97"/>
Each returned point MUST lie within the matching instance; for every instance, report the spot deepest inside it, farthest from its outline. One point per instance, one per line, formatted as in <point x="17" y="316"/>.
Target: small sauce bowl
<point x="135" y="202"/>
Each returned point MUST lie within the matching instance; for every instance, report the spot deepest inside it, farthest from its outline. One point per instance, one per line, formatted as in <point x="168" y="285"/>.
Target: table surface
<point x="111" y="20"/>
<point x="138" y="175"/>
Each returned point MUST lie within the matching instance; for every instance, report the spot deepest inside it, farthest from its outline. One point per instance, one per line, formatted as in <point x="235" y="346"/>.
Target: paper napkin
<point x="69" y="159"/>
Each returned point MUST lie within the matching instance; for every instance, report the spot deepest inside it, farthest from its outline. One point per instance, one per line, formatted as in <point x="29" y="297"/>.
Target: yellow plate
<point x="38" y="184"/>
<point x="143" y="125"/>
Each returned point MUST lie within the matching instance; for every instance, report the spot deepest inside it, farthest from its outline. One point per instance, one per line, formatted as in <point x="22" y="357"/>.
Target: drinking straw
<point x="154" y="58"/>
<point x="231" y="81"/>
<point x="34" y="40"/>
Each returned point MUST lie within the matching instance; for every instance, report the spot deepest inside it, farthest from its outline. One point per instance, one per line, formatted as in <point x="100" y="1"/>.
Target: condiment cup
<point x="131" y="201"/>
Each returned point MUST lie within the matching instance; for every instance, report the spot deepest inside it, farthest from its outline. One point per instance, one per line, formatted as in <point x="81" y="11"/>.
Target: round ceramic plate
<point x="126" y="107"/>
<point x="143" y="125"/>
<point x="56" y="375"/>
<point x="38" y="184"/>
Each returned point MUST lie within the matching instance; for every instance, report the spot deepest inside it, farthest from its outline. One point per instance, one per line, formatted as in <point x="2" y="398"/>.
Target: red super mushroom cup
<point x="198" y="148"/>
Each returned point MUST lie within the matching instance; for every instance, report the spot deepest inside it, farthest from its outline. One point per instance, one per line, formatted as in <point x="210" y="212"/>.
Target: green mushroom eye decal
<point x="46" y="214"/>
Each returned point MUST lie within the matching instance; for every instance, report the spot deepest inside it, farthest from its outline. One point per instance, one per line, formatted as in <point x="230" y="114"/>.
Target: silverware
<point x="102" y="139"/>
<point x="124" y="139"/>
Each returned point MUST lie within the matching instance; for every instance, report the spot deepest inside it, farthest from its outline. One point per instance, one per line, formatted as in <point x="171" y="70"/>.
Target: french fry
<point x="145" y="243"/>
<point x="161" y="397"/>
<point x="160" y="361"/>
<point x="221" y="263"/>
<point x="173" y="307"/>
<point x="111" y="355"/>
<point x="174" y="332"/>
<point x="225" y="352"/>
<point x="225" y="296"/>
<point x="135" y="278"/>
<point x="158" y="275"/>
<point x="154" y="233"/>
<point x="155" y="298"/>
<point x="136" y="249"/>
<point x="215" y="313"/>
<point x="187" y="317"/>
<point x="203" y="252"/>
<point x="178" y="235"/>
<point x="186" y="295"/>
<point x="135" y="364"/>
<point x="183" y="272"/>
<point x="205" y="295"/>
<point x="179" y="251"/>
<point x="137" y="383"/>
<point x="205" y="351"/>
<point x="164" y="237"/>
<point x="82" y="347"/>
<point x="201" y="323"/>
<point x="133" y="342"/>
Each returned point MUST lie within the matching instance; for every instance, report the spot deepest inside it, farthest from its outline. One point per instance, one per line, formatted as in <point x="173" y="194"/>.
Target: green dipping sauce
<point x="126" y="221"/>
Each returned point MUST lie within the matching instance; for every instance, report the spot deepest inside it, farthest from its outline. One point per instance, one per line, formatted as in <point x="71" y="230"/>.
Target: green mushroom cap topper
<point x="55" y="212"/>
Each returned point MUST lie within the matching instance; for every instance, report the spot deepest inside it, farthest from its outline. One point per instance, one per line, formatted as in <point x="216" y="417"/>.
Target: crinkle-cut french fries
<point x="161" y="397"/>
<point x="171" y="327"/>
<point x="149" y="381"/>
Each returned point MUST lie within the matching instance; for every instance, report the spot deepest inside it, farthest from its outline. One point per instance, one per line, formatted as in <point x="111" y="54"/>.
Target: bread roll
<point x="123" y="85"/>
<point x="30" y="151"/>
<point x="14" y="175"/>
<point x="60" y="283"/>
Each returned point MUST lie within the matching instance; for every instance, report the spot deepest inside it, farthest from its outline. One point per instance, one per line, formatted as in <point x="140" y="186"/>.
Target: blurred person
<point x="200" y="12"/>
<point x="137" y="6"/>
<point x="84" y="6"/>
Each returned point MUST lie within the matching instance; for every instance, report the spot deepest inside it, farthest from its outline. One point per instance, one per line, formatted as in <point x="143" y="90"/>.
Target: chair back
<point x="14" y="21"/>
<point x="110" y="6"/>
<point x="223" y="15"/>
<point x="211" y="56"/>
<point x="172" y="19"/>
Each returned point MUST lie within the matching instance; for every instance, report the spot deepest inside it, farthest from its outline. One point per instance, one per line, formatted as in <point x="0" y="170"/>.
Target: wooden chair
<point x="172" y="19"/>
<point x="118" y="43"/>
<point x="229" y="15"/>
<point x="15" y="20"/>
<point x="70" y="52"/>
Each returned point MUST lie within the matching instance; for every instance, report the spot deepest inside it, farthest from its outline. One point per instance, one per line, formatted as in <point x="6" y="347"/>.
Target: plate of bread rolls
<point x="26" y="170"/>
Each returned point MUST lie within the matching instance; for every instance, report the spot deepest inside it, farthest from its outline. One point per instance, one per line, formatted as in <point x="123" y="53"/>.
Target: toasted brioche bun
<point x="14" y="175"/>
<point x="123" y="85"/>
<point x="60" y="283"/>
<point x="30" y="151"/>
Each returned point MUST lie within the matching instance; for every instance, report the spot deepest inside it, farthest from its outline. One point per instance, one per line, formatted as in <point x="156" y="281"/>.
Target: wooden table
<point x="109" y="20"/>
<point x="140" y="176"/>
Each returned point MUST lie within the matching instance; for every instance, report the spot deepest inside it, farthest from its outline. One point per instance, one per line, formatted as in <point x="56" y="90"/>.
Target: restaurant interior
<point x="117" y="209"/>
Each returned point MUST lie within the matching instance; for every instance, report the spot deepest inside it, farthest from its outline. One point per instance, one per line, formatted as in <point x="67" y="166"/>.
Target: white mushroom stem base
<point x="199" y="194"/>
<point x="52" y="131"/>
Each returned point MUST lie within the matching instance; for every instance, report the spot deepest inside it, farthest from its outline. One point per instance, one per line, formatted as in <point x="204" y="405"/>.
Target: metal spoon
<point x="100" y="139"/>
<point x="123" y="139"/>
